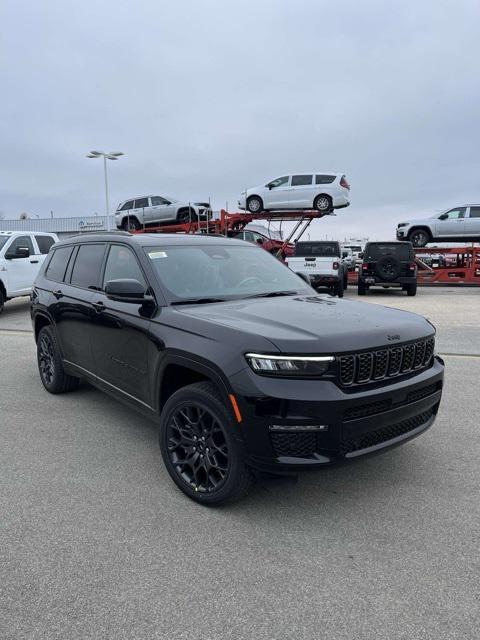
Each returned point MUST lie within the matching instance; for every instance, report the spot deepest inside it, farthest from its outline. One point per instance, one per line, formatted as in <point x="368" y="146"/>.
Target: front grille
<point x="371" y="366"/>
<point x="298" y="445"/>
<point x="354" y="443"/>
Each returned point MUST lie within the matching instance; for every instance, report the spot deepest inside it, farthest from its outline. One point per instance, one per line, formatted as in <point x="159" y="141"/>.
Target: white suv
<point x="133" y="214"/>
<point x="321" y="191"/>
<point x="21" y="255"/>
<point x="457" y="224"/>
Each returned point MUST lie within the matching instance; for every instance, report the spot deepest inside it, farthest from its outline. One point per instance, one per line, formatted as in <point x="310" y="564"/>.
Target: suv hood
<point x="315" y="324"/>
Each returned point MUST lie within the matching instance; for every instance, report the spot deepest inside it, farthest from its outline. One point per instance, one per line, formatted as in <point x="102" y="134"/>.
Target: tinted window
<point x="400" y="250"/>
<point x="127" y="205"/>
<point x="322" y="249"/>
<point x="248" y="236"/>
<point x="44" y="243"/>
<point x="474" y="212"/>
<point x="87" y="267"/>
<point x="298" y="181"/>
<point x="157" y="200"/>
<point x="58" y="264"/>
<point x="122" y="264"/>
<point x="324" y="179"/>
<point x="141" y="203"/>
<point x="21" y="241"/>
<point x="278" y="182"/>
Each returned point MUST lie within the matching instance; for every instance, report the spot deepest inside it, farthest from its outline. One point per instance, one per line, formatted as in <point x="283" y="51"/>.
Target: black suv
<point x="388" y="264"/>
<point x="244" y="367"/>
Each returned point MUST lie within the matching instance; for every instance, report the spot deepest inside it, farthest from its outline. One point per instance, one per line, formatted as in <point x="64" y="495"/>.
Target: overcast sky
<point x="208" y="97"/>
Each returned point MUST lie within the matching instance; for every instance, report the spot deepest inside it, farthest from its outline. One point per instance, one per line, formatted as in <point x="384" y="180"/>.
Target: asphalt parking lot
<point x="96" y="542"/>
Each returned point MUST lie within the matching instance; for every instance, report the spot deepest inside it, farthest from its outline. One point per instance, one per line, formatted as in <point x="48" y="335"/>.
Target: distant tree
<point x="24" y="216"/>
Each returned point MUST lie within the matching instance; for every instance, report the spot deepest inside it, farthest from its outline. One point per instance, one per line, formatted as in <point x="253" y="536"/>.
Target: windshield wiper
<point x="199" y="301"/>
<point x="273" y="294"/>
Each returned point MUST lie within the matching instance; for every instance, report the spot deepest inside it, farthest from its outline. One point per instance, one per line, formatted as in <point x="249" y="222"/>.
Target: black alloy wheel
<point x="419" y="238"/>
<point x="50" y="366"/>
<point x="185" y="216"/>
<point x="130" y="224"/>
<point x="199" y="447"/>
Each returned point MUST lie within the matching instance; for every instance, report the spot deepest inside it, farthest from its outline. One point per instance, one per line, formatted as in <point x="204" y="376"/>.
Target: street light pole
<point x="113" y="155"/>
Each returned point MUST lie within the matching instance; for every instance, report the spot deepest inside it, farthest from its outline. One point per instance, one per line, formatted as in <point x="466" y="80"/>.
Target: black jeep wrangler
<point x="388" y="264"/>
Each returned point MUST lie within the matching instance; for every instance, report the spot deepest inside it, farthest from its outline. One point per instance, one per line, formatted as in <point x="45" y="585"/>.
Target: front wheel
<point x="186" y="215"/>
<point x="412" y="289"/>
<point x="255" y="204"/>
<point x="2" y="301"/>
<point x="362" y="289"/>
<point x="338" y="289"/>
<point x="50" y="365"/>
<point x="323" y="203"/>
<point x="199" y="447"/>
<point x="419" y="237"/>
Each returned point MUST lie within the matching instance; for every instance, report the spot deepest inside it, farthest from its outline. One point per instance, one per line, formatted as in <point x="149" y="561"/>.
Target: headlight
<point x="289" y="366"/>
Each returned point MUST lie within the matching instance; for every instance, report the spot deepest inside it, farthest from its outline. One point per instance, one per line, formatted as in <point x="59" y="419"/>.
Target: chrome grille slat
<point x="380" y="364"/>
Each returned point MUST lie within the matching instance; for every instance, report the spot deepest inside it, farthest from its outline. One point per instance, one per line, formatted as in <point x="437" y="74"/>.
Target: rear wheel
<point x="255" y="204"/>
<point x="130" y="224"/>
<point x="419" y="237"/>
<point x="50" y="365"/>
<point x="361" y="289"/>
<point x="411" y="289"/>
<point x="338" y="289"/>
<point x="323" y="203"/>
<point x="199" y="447"/>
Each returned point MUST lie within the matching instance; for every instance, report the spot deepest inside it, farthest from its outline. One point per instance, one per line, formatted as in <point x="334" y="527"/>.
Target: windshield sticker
<point x="157" y="254"/>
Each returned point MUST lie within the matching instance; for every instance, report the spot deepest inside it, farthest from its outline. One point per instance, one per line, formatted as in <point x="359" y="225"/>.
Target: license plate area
<point x="369" y="280"/>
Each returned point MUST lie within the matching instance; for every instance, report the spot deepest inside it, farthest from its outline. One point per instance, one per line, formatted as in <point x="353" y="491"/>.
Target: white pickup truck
<point x="21" y="255"/>
<point x="322" y="262"/>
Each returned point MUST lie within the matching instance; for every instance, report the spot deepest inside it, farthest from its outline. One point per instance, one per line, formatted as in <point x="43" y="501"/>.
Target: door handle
<point x="99" y="306"/>
<point x="58" y="294"/>
<point x="33" y="261"/>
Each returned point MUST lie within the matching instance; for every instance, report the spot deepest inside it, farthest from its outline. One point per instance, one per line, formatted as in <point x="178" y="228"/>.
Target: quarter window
<point x="474" y="212"/>
<point x="127" y="205"/>
<point x="87" y="267"/>
<point x="121" y="265"/>
<point x="58" y="264"/>
<point x="44" y="243"/>
<point x="141" y="203"/>
<point x="323" y="179"/>
<point x="301" y="180"/>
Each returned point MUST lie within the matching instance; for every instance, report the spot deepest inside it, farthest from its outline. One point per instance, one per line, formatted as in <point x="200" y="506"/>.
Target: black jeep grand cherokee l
<point x="242" y="364"/>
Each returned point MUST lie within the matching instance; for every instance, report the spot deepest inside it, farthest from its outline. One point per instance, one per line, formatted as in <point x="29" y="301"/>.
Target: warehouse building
<point x="63" y="227"/>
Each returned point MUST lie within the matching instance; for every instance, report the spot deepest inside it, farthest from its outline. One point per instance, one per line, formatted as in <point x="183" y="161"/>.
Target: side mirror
<point x="444" y="216"/>
<point x="20" y="252"/>
<point x="127" y="290"/>
<point x="361" y="255"/>
<point x="259" y="240"/>
<point x="270" y="186"/>
<point x="345" y="254"/>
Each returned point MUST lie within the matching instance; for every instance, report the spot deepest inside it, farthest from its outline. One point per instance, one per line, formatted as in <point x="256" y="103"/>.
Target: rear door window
<point x="58" y="264"/>
<point x="302" y="180"/>
<point x="474" y="212"/>
<point x="401" y="251"/>
<point x="320" y="249"/>
<point x="88" y="265"/>
<point x="44" y="243"/>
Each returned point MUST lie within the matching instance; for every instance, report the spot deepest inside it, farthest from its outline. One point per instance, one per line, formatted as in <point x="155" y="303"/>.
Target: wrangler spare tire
<point x="388" y="268"/>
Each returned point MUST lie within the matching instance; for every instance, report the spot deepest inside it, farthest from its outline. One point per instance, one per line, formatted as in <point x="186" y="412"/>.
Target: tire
<point x="185" y="216"/>
<point x="411" y="289"/>
<point x="231" y="479"/>
<point x="338" y="289"/>
<point x="345" y="282"/>
<point x="361" y="289"/>
<point x="323" y="203"/>
<point x="388" y="268"/>
<point x="2" y="301"/>
<point x="255" y="204"/>
<point x="131" y="224"/>
<point x="420" y="237"/>
<point x="50" y="366"/>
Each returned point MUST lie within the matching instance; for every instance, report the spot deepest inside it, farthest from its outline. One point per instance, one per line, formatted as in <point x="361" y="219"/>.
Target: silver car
<point x="460" y="223"/>
<point x="136" y="213"/>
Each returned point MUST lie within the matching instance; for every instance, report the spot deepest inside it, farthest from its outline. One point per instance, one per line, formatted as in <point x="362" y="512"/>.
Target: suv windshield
<point x="321" y="249"/>
<point x="400" y="250"/>
<point x="221" y="272"/>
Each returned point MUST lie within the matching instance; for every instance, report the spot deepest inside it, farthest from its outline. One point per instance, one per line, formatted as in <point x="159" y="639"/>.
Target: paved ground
<point x="96" y="542"/>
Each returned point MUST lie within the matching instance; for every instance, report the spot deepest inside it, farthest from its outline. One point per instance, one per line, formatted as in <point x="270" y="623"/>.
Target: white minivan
<point x="320" y="191"/>
<point x="21" y="255"/>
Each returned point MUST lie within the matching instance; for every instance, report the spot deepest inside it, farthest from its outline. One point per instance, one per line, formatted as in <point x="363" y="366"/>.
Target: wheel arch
<point x="420" y="227"/>
<point x="40" y="320"/>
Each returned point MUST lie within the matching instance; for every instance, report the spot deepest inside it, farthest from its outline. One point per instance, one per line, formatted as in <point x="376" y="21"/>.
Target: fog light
<point x="298" y="427"/>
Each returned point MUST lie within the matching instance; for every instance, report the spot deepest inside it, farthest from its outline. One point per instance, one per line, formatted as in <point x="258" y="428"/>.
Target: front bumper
<point x="351" y="423"/>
